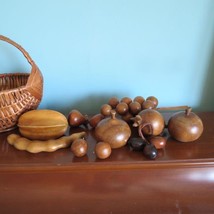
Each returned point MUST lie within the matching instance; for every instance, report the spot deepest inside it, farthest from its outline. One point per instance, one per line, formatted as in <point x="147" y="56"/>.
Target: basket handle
<point x="24" y="52"/>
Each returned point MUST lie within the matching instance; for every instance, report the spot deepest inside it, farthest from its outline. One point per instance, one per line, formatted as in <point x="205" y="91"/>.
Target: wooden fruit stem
<point x="188" y="110"/>
<point x="113" y="114"/>
<point x="175" y="108"/>
<point x="140" y="127"/>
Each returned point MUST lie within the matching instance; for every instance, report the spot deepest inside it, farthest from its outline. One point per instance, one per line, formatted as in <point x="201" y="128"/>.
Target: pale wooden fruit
<point x="43" y="124"/>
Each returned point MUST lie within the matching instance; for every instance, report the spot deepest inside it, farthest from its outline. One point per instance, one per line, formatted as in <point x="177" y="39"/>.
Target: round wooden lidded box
<point x="19" y="92"/>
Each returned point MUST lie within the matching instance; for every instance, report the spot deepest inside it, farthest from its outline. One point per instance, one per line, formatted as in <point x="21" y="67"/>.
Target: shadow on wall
<point x="88" y="105"/>
<point x="207" y="96"/>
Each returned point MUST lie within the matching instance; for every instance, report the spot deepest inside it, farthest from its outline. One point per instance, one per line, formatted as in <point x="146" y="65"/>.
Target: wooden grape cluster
<point x="128" y="108"/>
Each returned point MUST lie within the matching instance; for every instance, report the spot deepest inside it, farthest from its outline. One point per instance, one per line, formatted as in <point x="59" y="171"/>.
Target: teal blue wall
<point x="90" y="50"/>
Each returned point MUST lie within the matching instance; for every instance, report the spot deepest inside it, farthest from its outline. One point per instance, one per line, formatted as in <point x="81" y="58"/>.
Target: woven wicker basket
<point x="19" y="92"/>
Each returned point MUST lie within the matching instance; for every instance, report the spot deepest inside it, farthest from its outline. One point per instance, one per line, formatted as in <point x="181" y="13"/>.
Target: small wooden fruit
<point x="103" y="150"/>
<point x="79" y="147"/>
<point x="185" y="126"/>
<point x="113" y="101"/>
<point x="126" y="100"/>
<point x="42" y="124"/>
<point x="154" y="100"/>
<point x="139" y="99"/>
<point x="105" y="109"/>
<point x="122" y="108"/>
<point x="150" y="151"/>
<point x="127" y="117"/>
<point x="148" y="104"/>
<point x="76" y="118"/>
<point x="158" y="141"/>
<point x="137" y="144"/>
<point x="135" y="107"/>
<point x="94" y="120"/>
<point x="112" y="130"/>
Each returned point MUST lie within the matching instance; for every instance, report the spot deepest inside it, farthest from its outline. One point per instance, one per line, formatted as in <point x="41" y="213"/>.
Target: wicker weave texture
<point x="19" y="92"/>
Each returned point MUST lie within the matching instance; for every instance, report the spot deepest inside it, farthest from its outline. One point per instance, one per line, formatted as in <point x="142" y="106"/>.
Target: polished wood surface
<point x="180" y="180"/>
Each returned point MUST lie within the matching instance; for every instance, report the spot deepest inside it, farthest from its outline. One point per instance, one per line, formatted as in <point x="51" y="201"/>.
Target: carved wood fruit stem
<point x="175" y="108"/>
<point x="140" y="127"/>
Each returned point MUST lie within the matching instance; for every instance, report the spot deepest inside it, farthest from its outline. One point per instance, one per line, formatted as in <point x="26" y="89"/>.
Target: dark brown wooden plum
<point x="150" y="151"/>
<point x="137" y="144"/>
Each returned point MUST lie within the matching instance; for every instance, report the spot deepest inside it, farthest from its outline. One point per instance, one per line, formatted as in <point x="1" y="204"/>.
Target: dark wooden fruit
<point x="136" y="143"/>
<point x="112" y="130"/>
<point x="185" y="126"/>
<point x="150" y="151"/>
<point x="79" y="147"/>
<point x="103" y="150"/>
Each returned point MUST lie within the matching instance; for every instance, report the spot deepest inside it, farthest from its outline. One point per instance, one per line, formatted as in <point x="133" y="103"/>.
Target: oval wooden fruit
<point x="158" y="141"/>
<point x="42" y="124"/>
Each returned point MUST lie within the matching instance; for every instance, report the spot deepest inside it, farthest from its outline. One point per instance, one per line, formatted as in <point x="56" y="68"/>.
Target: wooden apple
<point x="112" y="130"/>
<point x="185" y="126"/>
<point x="152" y="117"/>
